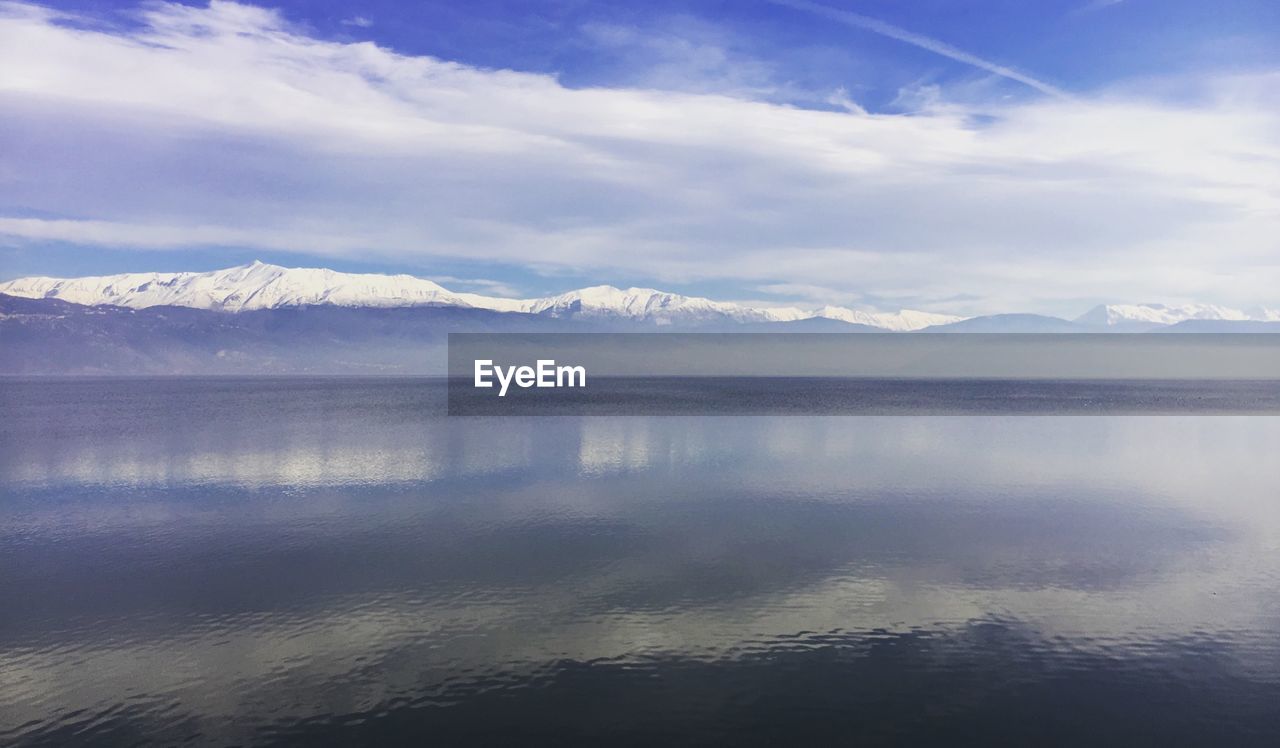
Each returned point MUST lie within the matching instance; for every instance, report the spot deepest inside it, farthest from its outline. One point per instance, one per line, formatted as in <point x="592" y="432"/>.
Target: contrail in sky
<point x="877" y="26"/>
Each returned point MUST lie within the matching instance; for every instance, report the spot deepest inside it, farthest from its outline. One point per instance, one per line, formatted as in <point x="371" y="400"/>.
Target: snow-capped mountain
<point x="653" y="305"/>
<point x="237" y="289"/>
<point x="1131" y="315"/>
<point x="261" y="286"/>
<point x="258" y="286"/>
<point x="900" y="321"/>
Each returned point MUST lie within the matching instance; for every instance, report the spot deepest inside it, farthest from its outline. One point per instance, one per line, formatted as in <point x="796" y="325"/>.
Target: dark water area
<point x="682" y="395"/>
<point x="336" y="561"/>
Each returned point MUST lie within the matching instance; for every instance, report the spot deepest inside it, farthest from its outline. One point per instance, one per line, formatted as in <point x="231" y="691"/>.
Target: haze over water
<point x="259" y="561"/>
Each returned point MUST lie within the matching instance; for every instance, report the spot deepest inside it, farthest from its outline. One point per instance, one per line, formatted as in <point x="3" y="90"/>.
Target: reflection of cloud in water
<point x="370" y="656"/>
<point x="824" y="454"/>
<point x="615" y="445"/>
<point x="222" y="572"/>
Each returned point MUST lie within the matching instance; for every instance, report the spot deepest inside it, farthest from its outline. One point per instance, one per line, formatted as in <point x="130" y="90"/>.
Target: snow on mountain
<point x="905" y="320"/>
<point x="1113" y="315"/>
<point x="652" y="305"/>
<point x="262" y="286"/>
<point x="237" y="289"/>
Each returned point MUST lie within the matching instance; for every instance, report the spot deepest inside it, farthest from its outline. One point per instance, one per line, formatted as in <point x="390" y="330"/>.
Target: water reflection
<point x="249" y="561"/>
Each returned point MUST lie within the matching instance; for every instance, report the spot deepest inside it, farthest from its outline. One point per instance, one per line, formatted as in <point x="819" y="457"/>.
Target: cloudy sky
<point x="968" y="157"/>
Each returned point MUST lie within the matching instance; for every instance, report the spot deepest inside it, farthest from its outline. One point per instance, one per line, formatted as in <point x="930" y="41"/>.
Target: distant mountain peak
<point x="904" y="320"/>
<point x="1150" y="314"/>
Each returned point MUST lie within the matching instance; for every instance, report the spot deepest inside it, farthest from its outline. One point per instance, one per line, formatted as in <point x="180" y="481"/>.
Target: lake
<point x="335" y="561"/>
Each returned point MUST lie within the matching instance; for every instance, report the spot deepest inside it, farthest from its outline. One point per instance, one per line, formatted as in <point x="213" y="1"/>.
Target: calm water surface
<point x="231" y="562"/>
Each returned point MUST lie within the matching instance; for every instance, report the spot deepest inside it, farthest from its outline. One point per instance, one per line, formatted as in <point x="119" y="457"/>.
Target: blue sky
<point x="953" y="156"/>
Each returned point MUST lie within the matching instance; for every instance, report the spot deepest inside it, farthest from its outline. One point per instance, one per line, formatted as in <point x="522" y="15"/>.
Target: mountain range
<point x="261" y="318"/>
<point x="258" y="285"/>
<point x="261" y="286"/>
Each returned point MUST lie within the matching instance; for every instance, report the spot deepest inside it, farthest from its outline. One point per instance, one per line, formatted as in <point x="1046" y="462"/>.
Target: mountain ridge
<point x="262" y="286"/>
<point x="258" y="286"/>
<point x="48" y="336"/>
<point x="1137" y="316"/>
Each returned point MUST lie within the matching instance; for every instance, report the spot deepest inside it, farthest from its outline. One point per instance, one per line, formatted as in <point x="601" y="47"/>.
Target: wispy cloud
<point x="1097" y="5"/>
<point x="684" y="53"/>
<point x="483" y="285"/>
<point x="227" y="127"/>
<point x="874" y="25"/>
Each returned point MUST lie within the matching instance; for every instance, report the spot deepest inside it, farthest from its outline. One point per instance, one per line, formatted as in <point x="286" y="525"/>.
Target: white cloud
<point x="226" y="126"/>
<point x="483" y="285"/>
<point x="684" y="54"/>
